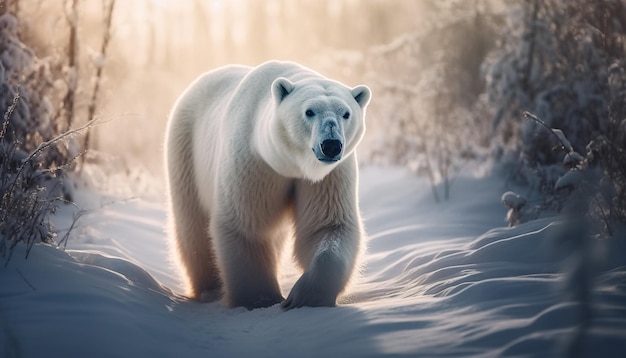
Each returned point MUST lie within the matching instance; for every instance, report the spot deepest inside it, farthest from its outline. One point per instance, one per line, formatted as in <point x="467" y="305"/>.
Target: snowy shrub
<point x="31" y="159"/>
<point x="31" y="122"/>
<point x="553" y="60"/>
<point x="563" y="61"/>
<point x="23" y="205"/>
<point x="515" y="204"/>
<point x="430" y="94"/>
<point x="592" y="185"/>
<point x="28" y="194"/>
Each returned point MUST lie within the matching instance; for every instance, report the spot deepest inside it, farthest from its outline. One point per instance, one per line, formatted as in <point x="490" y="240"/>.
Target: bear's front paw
<point x="309" y="292"/>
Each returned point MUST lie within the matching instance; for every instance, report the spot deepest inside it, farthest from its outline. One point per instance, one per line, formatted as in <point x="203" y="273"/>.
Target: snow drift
<point x="438" y="280"/>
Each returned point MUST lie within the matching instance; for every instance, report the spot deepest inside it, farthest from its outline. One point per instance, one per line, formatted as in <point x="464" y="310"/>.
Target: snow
<point x="572" y="159"/>
<point x="563" y="140"/>
<point x="571" y="179"/>
<point x="439" y="280"/>
<point x="512" y="200"/>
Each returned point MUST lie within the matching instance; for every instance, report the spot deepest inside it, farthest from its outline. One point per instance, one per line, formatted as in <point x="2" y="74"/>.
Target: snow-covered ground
<point x="438" y="280"/>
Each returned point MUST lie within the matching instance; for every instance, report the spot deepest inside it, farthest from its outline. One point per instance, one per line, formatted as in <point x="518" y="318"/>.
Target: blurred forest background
<point x="157" y="47"/>
<point x="451" y="79"/>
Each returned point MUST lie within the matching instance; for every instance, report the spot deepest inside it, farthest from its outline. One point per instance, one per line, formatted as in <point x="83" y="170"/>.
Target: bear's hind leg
<point x="188" y="220"/>
<point x="195" y="251"/>
<point x="189" y="231"/>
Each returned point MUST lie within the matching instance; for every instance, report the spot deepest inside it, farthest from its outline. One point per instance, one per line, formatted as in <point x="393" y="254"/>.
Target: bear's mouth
<point x="328" y="160"/>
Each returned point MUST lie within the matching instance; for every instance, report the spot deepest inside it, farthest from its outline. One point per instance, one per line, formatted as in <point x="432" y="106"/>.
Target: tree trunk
<point x="72" y="64"/>
<point x="99" y="67"/>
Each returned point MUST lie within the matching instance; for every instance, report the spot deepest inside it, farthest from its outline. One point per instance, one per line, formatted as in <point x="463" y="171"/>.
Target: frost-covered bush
<point x="563" y="61"/>
<point x="516" y="205"/>
<point x="30" y="182"/>
<point x="29" y="194"/>
<point x="31" y="121"/>
<point x="428" y="93"/>
<point x="593" y="184"/>
<point x="553" y="60"/>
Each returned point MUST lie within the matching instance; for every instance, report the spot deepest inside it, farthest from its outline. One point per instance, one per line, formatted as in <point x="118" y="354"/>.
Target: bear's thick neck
<point x="271" y="148"/>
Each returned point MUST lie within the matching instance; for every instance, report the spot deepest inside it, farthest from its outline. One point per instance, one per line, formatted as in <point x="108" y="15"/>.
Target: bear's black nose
<point x="331" y="147"/>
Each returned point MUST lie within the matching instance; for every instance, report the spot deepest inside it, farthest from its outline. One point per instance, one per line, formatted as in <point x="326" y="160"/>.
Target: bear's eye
<point x="346" y="115"/>
<point x="309" y="113"/>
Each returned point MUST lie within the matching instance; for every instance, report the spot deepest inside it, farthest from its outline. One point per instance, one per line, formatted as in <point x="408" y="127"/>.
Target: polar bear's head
<point x="320" y="123"/>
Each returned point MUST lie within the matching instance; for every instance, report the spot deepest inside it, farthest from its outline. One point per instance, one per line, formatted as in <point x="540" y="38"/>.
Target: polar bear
<point x="253" y="156"/>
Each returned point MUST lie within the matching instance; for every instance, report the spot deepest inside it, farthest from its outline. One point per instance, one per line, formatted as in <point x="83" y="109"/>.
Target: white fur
<point x="243" y="165"/>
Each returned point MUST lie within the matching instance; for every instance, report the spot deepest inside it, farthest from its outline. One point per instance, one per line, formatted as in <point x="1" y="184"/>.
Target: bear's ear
<point x="281" y="87"/>
<point x="362" y="95"/>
